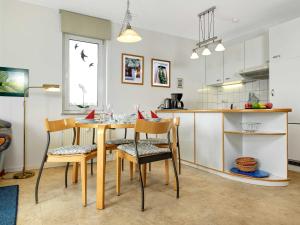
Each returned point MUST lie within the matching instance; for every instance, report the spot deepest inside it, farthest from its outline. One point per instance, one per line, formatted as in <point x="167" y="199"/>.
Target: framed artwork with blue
<point x="13" y="81"/>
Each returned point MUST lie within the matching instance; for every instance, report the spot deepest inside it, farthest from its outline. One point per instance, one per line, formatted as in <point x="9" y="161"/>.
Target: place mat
<point x="256" y="174"/>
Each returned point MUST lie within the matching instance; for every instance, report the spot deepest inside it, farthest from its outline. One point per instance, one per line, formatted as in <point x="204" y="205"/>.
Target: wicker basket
<point x="246" y="168"/>
<point x="246" y="164"/>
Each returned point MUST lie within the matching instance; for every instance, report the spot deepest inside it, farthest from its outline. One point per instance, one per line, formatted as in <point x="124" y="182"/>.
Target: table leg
<point x="101" y="161"/>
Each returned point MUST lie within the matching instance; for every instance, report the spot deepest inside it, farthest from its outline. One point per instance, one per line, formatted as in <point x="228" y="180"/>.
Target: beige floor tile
<point x="205" y="199"/>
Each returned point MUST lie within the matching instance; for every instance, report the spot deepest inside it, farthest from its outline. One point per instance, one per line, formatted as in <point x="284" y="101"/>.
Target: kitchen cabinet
<point x="233" y="62"/>
<point x="212" y="139"/>
<point x="284" y="40"/>
<point x="284" y="86"/>
<point x="186" y="136"/>
<point x="214" y="68"/>
<point x="294" y="148"/>
<point x="208" y="134"/>
<point x="256" y="52"/>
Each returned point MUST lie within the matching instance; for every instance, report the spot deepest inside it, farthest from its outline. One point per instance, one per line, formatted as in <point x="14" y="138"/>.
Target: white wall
<point x="31" y="38"/>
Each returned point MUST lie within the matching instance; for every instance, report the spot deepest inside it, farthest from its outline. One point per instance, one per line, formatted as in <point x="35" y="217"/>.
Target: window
<point x="84" y="74"/>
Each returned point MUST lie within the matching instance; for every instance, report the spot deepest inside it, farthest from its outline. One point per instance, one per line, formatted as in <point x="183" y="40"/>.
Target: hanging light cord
<point x="126" y="19"/>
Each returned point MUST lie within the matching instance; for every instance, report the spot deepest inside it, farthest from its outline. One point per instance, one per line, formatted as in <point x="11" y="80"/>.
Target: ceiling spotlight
<point x="206" y="51"/>
<point x="194" y="55"/>
<point x="220" y="47"/>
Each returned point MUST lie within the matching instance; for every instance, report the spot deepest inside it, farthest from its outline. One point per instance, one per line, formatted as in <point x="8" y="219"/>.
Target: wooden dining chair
<point x="143" y="153"/>
<point x="69" y="154"/>
<point x="112" y="144"/>
<point x="163" y="142"/>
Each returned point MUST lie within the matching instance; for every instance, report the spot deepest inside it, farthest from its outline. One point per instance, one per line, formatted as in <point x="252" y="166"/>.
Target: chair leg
<point x="122" y="164"/>
<point x="118" y="180"/>
<point x="38" y="181"/>
<point x="179" y="158"/>
<point x="66" y="174"/>
<point x="167" y="171"/>
<point x="142" y="189"/>
<point x="176" y="177"/>
<point x="75" y="173"/>
<point x="131" y="170"/>
<point x="149" y="167"/>
<point x="83" y="167"/>
<point x="92" y="169"/>
<point x="144" y="170"/>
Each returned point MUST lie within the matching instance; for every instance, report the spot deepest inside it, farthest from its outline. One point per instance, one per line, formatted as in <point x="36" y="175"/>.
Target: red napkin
<point x="91" y="115"/>
<point x="154" y="115"/>
<point x="140" y="115"/>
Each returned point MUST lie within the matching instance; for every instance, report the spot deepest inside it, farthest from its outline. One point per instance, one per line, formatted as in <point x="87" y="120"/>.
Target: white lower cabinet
<point x="208" y="135"/>
<point x="186" y="136"/>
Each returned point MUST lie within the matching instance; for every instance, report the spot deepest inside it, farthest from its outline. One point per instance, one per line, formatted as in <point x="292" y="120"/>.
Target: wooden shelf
<point x="254" y="133"/>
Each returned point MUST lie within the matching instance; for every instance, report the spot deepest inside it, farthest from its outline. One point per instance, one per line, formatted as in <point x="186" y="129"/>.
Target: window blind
<point x="86" y="26"/>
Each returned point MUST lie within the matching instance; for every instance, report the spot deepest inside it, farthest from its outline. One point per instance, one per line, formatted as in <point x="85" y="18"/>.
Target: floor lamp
<point x="47" y="87"/>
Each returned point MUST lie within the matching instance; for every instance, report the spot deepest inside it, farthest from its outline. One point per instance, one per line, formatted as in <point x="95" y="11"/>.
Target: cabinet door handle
<point x="218" y="80"/>
<point x="276" y="56"/>
<point x="227" y="78"/>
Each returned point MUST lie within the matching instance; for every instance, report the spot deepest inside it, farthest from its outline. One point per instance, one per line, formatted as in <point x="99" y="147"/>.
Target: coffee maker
<point x="176" y="101"/>
<point x="173" y="102"/>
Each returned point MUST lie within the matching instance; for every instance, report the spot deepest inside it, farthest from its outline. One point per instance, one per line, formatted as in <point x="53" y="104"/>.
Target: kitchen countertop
<point x="224" y="110"/>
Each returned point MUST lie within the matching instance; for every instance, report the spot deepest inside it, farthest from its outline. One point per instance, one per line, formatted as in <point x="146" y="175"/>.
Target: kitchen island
<point x="212" y="139"/>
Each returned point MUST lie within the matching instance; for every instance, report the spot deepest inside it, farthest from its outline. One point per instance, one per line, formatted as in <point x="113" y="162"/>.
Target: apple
<point x="248" y="105"/>
<point x="256" y="105"/>
<point x="269" y="105"/>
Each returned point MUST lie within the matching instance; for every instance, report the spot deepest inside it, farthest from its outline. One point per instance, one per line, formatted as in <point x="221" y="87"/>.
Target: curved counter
<point x="212" y="139"/>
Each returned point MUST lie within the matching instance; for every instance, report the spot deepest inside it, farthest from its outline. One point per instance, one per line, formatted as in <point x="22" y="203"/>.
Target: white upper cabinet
<point x="284" y="40"/>
<point x="214" y="68"/>
<point x="233" y="62"/>
<point x="256" y="52"/>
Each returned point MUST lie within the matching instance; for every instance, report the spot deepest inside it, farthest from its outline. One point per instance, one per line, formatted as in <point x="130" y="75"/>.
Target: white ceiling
<point x="179" y="17"/>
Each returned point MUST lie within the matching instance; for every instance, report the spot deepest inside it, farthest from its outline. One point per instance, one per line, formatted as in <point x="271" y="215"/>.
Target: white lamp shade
<point x="194" y="55"/>
<point x="206" y="51"/>
<point x="220" y="48"/>
<point x="129" y="36"/>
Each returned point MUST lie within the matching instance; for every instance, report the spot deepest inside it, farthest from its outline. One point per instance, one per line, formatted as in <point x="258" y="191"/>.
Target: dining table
<point x="101" y="129"/>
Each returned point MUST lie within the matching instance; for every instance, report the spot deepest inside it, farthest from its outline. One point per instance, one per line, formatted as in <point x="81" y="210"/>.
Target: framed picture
<point x="132" y="69"/>
<point x="160" y="73"/>
<point x="13" y="81"/>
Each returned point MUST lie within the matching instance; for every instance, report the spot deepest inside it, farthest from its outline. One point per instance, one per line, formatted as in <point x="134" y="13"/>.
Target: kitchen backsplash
<point x="236" y="94"/>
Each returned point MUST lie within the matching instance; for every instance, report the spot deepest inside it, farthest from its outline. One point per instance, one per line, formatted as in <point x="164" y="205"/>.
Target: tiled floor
<point x="205" y="199"/>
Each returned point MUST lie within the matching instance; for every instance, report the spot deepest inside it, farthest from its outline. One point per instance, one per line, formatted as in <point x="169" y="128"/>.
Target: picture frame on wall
<point x="160" y="73"/>
<point x="132" y="69"/>
<point x="13" y="81"/>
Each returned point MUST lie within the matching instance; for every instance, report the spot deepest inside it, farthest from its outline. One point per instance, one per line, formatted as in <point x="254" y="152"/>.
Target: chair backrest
<point x="150" y="127"/>
<point x="59" y="125"/>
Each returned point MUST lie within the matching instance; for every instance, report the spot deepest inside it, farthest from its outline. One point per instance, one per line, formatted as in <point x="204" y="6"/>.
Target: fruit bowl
<point x="250" y="126"/>
<point x="258" y="105"/>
